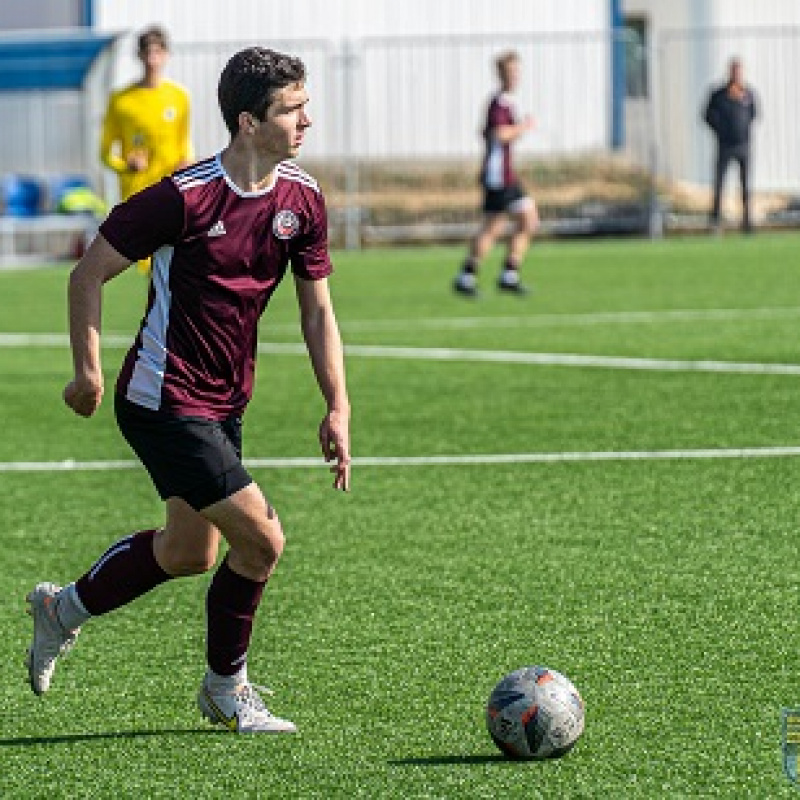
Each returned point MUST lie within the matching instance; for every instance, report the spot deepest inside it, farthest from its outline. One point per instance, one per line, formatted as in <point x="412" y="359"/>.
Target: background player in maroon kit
<point x="503" y="195"/>
<point x="222" y="234"/>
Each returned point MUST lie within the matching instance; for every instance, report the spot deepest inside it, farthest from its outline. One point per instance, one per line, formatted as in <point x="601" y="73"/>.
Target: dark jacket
<point x="731" y="119"/>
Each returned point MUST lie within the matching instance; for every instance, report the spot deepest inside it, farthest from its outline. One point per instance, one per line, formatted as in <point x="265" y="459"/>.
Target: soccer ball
<point x="534" y="712"/>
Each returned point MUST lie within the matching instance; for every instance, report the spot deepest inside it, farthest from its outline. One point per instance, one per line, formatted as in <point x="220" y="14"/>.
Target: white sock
<point x="226" y="683"/>
<point x="70" y="611"/>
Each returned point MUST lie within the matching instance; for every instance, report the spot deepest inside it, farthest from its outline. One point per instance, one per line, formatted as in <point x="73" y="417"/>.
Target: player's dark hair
<point x="155" y="34"/>
<point x="250" y="80"/>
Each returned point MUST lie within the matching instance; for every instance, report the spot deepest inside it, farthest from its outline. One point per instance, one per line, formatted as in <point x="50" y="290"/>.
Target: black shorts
<point x="195" y="459"/>
<point x="502" y="201"/>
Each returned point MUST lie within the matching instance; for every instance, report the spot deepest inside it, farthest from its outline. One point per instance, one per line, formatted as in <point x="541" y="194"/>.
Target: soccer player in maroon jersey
<point x="503" y="195"/>
<point x="222" y="234"/>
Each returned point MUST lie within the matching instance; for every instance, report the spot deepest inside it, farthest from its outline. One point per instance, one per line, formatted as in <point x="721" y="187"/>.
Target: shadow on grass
<point x="440" y="761"/>
<point x="72" y="738"/>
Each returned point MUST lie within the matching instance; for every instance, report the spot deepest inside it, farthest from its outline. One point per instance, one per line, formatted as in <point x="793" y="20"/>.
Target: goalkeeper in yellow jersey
<point x="146" y="127"/>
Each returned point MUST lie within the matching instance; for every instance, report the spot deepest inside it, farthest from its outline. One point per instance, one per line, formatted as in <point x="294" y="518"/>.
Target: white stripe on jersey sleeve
<point x="291" y="172"/>
<point x="198" y="174"/>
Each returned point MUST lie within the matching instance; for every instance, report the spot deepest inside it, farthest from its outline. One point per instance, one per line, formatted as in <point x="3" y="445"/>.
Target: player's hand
<point x="83" y="395"/>
<point x="334" y="437"/>
<point x="137" y="161"/>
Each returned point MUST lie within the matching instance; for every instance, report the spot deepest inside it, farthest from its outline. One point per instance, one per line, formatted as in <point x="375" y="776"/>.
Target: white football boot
<point x="466" y="283"/>
<point x="509" y="282"/>
<point x="50" y="638"/>
<point x="241" y="710"/>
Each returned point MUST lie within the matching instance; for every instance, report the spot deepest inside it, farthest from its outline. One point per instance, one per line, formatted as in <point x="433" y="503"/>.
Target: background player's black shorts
<point x="195" y="459"/>
<point x="500" y="201"/>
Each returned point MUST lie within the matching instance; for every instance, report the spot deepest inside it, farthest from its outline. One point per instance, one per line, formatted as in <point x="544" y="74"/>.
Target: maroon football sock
<point x="231" y="606"/>
<point x="126" y="570"/>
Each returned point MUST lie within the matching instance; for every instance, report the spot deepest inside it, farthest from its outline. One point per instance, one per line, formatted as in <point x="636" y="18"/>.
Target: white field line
<point x="481" y="323"/>
<point x="568" y="320"/>
<point x="70" y="465"/>
<point x="22" y="340"/>
<point x="455" y="354"/>
<point x="555" y="359"/>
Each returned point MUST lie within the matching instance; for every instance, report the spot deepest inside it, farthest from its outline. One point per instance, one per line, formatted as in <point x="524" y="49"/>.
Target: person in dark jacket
<point x="729" y="113"/>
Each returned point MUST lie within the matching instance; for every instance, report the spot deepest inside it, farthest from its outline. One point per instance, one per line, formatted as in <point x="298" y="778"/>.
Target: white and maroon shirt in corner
<point x="218" y="255"/>
<point x="497" y="172"/>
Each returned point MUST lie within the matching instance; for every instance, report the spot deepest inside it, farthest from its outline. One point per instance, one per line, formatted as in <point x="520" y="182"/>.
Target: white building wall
<point x="421" y="72"/>
<point x="751" y="12"/>
<point x="768" y="43"/>
<point x="693" y="42"/>
<point x="261" y="20"/>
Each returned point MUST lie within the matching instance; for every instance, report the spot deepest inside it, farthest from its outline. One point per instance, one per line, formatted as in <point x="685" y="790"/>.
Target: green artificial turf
<point x="666" y="589"/>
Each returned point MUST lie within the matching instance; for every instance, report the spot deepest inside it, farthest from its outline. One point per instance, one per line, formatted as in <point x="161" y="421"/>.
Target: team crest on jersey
<point x="285" y="225"/>
<point x="170" y="112"/>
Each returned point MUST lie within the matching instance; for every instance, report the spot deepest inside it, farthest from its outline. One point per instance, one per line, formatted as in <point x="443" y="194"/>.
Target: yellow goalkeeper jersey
<point x="153" y="122"/>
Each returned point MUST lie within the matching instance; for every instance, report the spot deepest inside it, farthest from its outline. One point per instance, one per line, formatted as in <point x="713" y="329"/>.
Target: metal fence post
<point x="352" y="210"/>
<point x="656" y="213"/>
<point x="618" y="58"/>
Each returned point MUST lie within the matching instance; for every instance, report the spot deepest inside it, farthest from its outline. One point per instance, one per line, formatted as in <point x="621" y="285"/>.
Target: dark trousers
<point x="726" y="154"/>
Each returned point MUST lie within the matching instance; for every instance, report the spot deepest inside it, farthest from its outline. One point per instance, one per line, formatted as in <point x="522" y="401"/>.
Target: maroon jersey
<point x="218" y="255"/>
<point x="497" y="171"/>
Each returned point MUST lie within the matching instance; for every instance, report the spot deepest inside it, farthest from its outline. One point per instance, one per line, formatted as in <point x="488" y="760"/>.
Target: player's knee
<point x="274" y="538"/>
<point x="198" y="565"/>
<point x="180" y="552"/>
<point x="183" y="563"/>
<point x="268" y="539"/>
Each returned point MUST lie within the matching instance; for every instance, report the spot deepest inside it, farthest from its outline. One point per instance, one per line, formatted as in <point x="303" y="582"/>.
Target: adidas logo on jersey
<point x="217" y="229"/>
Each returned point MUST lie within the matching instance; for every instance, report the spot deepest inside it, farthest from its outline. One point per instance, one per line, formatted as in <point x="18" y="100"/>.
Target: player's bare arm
<point x="510" y="133"/>
<point x="324" y="342"/>
<point x="101" y="262"/>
